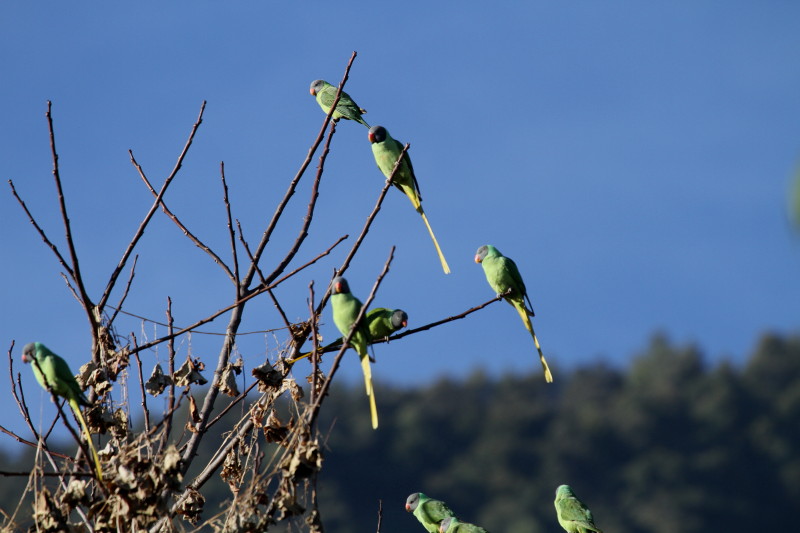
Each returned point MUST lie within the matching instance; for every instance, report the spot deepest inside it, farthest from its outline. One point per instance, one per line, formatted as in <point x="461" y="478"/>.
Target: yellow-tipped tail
<point x="445" y="267"/>
<point x="520" y="307"/>
<point x="373" y="408"/>
<point x="296" y="359"/>
<point x="77" y="410"/>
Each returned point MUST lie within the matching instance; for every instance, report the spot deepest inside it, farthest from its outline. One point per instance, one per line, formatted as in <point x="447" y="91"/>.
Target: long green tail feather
<point x="445" y="267"/>
<point x="77" y="410"/>
<point x="373" y="409"/>
<point x="523" y="313"/>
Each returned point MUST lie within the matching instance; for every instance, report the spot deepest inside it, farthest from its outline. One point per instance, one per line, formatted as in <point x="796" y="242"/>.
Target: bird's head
<point x="317" y="86"/>
<point x="564" y="491"/>
<point x="483" y="251"/>
<point x="399" y="319"/>
<point x="444" y="525"/>
<point x="339" y="285"/>
<point x="377" y="134"/>
<point x="412" y="502"/>
<point x="29" y="352"/>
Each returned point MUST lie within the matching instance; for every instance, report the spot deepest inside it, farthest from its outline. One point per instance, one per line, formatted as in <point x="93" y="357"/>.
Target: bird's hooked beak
<point x="477" y="258"/>
<point x="371" y="137"/>
<point x="405" y="323"/>
<point x="312" y="91"/>
<point x="408" y="508"/>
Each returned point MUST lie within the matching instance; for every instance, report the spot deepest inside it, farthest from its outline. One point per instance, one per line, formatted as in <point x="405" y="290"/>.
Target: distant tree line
<point x="668" y="444"/>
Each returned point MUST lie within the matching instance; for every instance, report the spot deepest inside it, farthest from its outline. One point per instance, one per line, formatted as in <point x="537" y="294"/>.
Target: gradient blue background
<point x="633" y="158"/>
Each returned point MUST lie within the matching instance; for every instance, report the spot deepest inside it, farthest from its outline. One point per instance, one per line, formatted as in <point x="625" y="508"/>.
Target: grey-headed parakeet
<point x="573" y="515"/>
<point x="346" y="308"/>
<point x="381" y="323"/>
<point x="428" y="511"/>
<point x="503" y="276"/>
<point x="386" y="151"/>
<point x="51" y="371"/>
<point x="345" y="107"/>
<point x="452" y="524"/>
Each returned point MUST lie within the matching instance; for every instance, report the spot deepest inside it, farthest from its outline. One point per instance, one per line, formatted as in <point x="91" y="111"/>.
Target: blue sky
<point x="633" y="158"/>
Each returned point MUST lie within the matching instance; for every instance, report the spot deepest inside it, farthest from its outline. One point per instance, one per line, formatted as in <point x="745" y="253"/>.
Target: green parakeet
<point x="345" y="107"/>
<point x="381" y="323"/>
<point x="386" y="151"/>
<point x="428" y="511"/>
<point x="573" y="515"/>
<point x="503" y="275"/>
<point x="452" y="524"/>
<point x="52" y="371"/>
<point x="345" y="311"/>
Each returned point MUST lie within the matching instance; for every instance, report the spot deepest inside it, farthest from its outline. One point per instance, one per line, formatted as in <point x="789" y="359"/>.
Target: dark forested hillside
<point x="668" y="444"/>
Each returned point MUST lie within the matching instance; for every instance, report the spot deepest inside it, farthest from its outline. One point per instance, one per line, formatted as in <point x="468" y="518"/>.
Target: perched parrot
<point x="452" y="524"/>
<point x="345" y="311"/>
<point x="381" y="323"/>
<point x="51" y="371"/>
<point x="503" y="275"/>
<point x="428" y="511"/>
<point x="573" y="515"/>
<point x="386" y="151"/>
<point x="345" y="107"/>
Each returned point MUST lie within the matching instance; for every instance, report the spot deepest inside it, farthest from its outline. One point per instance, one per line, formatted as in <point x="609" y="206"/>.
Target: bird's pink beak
<point x="477" y="258"/>
<point x="408" y="508"/>
<point x="312" y="92"/>
<point x="371" y="137"/>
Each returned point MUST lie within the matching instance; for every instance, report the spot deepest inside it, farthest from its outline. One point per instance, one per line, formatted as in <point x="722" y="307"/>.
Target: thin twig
<point x="293" y="185"/>
<point x="281" y="312"/>
<point x="249" y="253"/>
<point x="171" y="370"/>
<point x="227" y="202"/>
<point x="244" y="299"/>
<point x="315" y="342"/>
<point x="335" y="346"/>
<point x="310" y="212"/>
<point x="216" y="258"/>
<point x="125" y="293"/>
<point x="140" y="231"/>
<point x="75" y="273"/>
<point x="144" y="395"/>
<point x="39" y="230"/>
<point x="231" y="405"/>
<point x="359" y="240"/>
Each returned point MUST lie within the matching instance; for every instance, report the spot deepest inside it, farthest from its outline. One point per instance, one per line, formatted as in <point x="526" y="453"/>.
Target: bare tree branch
<point x="40" y="231"/>
<point x="225" y="199"/>
<point x="125" y="293"/>
<point x="140" y="231"/>
<point x="217" y="259"/>
<point x="293" y="185"/>
<point x="76" y="269"/>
